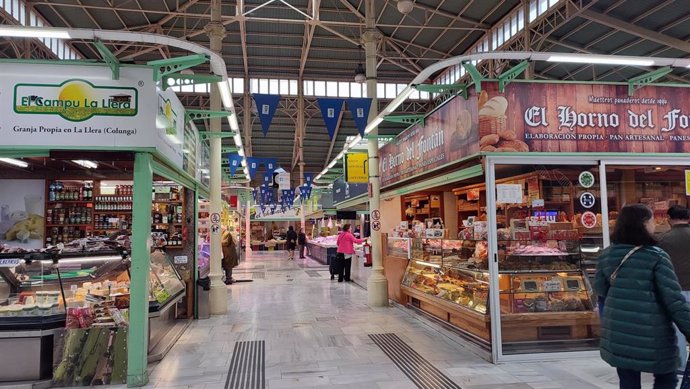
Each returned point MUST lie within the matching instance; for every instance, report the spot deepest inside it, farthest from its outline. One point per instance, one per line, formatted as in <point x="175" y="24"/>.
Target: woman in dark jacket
<point x="642" y="301"/>
<point x="230" y="257"/>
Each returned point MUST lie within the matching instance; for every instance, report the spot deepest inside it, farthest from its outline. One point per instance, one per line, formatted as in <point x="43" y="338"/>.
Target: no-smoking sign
<point x="376" y="214"/>
<point x="376" y="225"/>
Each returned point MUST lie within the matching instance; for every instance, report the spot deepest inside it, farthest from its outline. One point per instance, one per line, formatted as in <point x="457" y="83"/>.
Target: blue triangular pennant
<point x="360" y="112"/>
<point x="308" y="179"/>
<point x="266" y="107"/>
<point x="253" y="164"/>
<point x="330" y="110"/>
<point x="235" y="161"/>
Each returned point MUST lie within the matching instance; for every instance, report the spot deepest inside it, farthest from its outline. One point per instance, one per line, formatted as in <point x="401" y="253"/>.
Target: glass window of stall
<point x="546" y="231"/>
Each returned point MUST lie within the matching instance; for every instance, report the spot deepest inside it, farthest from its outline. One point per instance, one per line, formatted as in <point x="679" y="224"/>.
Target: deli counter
<point x="544" y="291"/>
<point x="44" y="295"/>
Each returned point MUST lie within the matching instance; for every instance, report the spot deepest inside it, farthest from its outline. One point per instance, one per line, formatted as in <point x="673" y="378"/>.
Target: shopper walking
<point x="676" y="243"/>
<point x="291" y="238"/>
<point x="346" y="249"/>
<point x="230" y="257"/>
<point x="301" y="242"/>
<point x="642" y="299"/>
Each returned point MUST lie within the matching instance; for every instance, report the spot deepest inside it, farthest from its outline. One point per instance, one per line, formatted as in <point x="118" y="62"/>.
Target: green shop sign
<point x="75" y="100"/>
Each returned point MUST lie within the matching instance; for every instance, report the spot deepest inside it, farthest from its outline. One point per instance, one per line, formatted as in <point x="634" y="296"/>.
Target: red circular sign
<point x="589" y="220"/>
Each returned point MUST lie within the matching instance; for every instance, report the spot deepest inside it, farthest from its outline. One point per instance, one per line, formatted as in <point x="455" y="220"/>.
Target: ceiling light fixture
<point x="86" y="163"/>
<point x="360" y="72"/>
<point x="33" y="32"/>
<point x="601" y="60"/>
<point x="405" y="6"/>
<point x="14" y="162"/>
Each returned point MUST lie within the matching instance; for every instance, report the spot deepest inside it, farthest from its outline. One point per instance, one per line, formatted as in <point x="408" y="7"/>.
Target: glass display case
<point x="448" y="270"/>
<point x="35" y="290"/>
<point x="398" y="247"/>
<point x="540" y="272"/>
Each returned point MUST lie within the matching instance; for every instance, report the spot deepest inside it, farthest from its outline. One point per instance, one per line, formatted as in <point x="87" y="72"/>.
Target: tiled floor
<point x="316" y="335"/>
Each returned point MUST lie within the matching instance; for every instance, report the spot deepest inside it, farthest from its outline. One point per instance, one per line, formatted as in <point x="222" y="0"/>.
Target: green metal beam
<point x="405" y="119"/>
<point x="179" y="79"/>
<point x="229" y="149"/>
<point x="477" y="77"/>
<point x="138" y="331"/>
<point x="378" y="136"/>
<point x="334" y="170"/>
<point x="109" y="58"/>
<point x="164" y="67"/>
<point x="509" y="75"/>
<point x="647" y="78"/>
<point x="201" y="114"/>
<point x="441" y="88"/>
<point x="216" y="134"/>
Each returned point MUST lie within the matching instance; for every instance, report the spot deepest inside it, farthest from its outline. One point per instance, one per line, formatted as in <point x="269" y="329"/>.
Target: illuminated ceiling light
<point x="186" y="151"/>
<point x="240" y="152"/>
<point x="601" y="60"/>
<point x="333" y="162"/>
<point x="86" y="163"/>
<point x="375" y="123"/>
<point x="405" y="6"/>
<point x="360" y="74"/>
<point x="33" y="32"/>
<point x="14" y="162"/>
<point x="238" y="140"/>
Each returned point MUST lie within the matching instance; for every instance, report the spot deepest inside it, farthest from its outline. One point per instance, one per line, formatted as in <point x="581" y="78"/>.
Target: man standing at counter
<point x="676" y="243"/>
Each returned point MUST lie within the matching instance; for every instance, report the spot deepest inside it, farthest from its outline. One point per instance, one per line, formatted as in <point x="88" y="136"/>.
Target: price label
<point x="10" y="262"/>
<point x="181" y="259"/>
<point x="552" y="286"/>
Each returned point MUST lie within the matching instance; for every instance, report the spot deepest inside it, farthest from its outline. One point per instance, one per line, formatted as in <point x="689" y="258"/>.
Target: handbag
<point x="602" y="299"/>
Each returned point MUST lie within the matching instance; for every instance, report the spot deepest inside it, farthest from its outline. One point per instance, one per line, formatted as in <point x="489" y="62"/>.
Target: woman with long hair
<point x="346" y="249"/>
<point x="641" y="300"/>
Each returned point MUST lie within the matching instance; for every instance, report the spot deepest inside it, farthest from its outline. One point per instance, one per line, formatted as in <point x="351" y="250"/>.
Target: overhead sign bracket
<point x="646" y="78"/>
<point x="201" y="114"/>
<point x="165" y="67"/>
<point x="477" y="77"/>
<point x="179" y="79"/>
<point x="509" y="75"/>
<point x="109" y="58"/>
<point x="405" y="119"/>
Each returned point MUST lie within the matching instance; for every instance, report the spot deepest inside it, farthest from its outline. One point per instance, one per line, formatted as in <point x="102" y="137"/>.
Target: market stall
<point x="508" y="198"/>
<point x="97" y="221"/>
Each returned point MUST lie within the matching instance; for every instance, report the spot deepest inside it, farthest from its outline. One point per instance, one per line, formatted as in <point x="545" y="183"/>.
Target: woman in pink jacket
<point x="346" y="249"/>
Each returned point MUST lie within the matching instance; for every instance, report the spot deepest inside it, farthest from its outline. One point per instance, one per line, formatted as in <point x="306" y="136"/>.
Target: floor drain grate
<point x="313" y="273"/>
<point x="247" y="366"/>
<point x="420" y="371"/>
<point x="258" y="275"/>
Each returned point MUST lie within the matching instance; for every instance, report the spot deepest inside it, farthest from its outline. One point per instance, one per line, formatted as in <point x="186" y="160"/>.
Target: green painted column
<point x="138" y="335"/>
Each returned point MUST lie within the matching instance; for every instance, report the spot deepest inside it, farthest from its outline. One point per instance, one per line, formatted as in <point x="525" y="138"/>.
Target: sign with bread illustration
<point x="495" y="135"/>
<point x="542" y="117"/>
<point x="562" y="117"/>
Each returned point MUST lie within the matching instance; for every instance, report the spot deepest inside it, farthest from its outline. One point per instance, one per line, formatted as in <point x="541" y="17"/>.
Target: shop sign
<point x="447" y="135"/>
<point x="46" y="105"/>
<point x="687" y="182"/>
<point x="343" y="191"/>
<point x="356" y="167"/>
<point x="180" y="260"/>
<point x="532" y="117"/>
